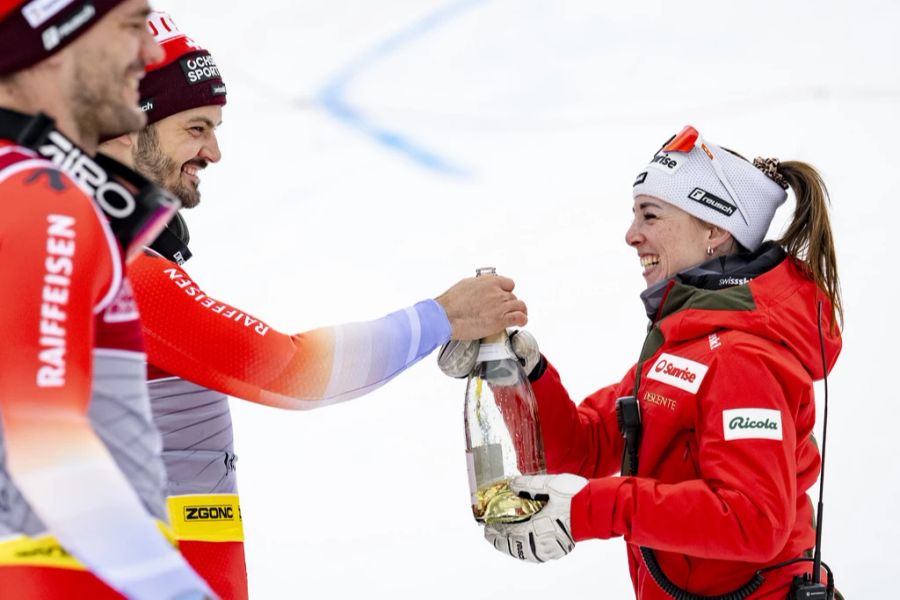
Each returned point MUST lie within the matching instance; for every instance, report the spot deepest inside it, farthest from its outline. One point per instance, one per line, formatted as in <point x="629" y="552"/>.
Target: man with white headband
<point x="701" y="455"/>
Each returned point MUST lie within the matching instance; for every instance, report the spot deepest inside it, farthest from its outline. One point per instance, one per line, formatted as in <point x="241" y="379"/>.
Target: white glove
<point x="547" y="535"/>
<point x="525" y="347"/>
<point x="457" y="359"/>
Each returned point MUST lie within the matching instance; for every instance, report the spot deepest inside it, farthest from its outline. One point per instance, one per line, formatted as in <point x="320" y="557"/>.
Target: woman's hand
<point x="547" y="535"/>
<point x="457" y="359"/>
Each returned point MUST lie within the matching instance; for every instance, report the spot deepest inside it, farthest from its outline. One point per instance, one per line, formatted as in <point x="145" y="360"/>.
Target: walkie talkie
<point x="628" y="414"/>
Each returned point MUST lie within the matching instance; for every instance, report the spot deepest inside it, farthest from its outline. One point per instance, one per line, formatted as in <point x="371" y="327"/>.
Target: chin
<point x="126" y="120"/>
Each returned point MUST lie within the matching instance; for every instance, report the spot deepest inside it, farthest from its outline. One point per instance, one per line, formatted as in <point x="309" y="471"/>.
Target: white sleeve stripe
<point x="415" y="327"/>
<point x="337" y="362"/>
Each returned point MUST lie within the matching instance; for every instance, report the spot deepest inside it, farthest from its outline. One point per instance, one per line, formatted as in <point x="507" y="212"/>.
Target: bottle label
<point x="496" y="351"/>
<point x="470" y="466"/>
<point x="487" y="464"/>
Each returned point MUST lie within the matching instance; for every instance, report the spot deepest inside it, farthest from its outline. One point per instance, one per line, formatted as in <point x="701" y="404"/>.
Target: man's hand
<point x="547" y="535"/>
<point x="480" y="306"/>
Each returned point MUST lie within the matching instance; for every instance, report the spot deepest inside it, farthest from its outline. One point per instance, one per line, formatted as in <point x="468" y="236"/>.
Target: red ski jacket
<point x="725" y="391"/>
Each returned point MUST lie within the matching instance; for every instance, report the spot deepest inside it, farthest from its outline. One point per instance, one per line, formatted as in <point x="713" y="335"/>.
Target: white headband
<point x="714" y="185"/>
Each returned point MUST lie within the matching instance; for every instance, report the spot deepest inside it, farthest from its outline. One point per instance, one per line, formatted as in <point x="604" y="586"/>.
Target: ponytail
<point x="808" y="237"/>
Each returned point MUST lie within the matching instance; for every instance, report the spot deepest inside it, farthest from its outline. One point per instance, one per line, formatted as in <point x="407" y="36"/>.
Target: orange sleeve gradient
<point x="213" y="344"/>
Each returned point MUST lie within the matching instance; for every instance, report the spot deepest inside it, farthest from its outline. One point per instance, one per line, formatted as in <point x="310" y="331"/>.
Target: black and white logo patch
<point x="218" y="89"/>
<point x="641" y="178"/>
<point x="208" y="513"/>
<point x="198" y="69"/>
<point x="39" y="12"/>
<point x="668" y="162"/>
<point x="146" y="105"/>
<point x="713" y="202"/>
<point x="65" y="26"/>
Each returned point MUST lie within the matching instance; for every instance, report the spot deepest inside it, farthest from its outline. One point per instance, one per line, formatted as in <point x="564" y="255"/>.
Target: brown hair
<point x="808" y="238"/>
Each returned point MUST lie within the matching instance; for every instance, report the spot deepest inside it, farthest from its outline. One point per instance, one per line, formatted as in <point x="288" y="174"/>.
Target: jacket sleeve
<point x="582" y="439"/>
<point x="743" y="505"/>
<point x="211" y="343"/>
<point x="57" y="256"/>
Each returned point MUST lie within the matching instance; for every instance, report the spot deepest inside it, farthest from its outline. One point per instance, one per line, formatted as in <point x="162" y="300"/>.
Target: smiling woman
<point x="714" y="422"/>
<point x="669" y="240"/>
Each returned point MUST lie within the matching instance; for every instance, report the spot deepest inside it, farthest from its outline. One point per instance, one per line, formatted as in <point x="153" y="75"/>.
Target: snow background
<point x="508" y="133"/>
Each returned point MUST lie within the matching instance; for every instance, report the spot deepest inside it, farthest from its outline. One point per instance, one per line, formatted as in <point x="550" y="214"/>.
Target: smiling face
<point x="107" y="64"/>
<point x="667" y="239"/>
<point x="173" y="151"/>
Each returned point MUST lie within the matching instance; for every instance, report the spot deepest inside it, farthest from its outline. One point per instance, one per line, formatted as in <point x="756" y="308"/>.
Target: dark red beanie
<point x="186" y="78"/>
<point x="31" y="31"/>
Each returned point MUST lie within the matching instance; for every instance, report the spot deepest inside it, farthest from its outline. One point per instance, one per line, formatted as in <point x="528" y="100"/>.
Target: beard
<point x="152" y="162"/>
<point x="99" y="109"/>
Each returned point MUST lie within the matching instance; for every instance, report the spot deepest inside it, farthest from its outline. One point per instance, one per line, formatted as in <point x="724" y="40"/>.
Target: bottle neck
<point x="497" y="338"/>
<point x="493" y="351"/>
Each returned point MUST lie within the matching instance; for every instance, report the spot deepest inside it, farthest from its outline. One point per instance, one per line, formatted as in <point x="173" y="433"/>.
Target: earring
<point x="709" y="251"/>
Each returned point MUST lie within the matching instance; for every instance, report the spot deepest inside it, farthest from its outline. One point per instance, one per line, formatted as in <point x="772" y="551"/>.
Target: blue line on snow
<point x="331" y="96"/>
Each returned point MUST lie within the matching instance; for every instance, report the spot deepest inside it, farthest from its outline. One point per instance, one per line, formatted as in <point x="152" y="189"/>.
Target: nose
<point x="210" y="151"/>
<point x="633" y="236"/>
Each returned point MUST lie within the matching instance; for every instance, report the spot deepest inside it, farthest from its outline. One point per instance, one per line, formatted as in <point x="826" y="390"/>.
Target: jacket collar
<point x="715" y="274"/>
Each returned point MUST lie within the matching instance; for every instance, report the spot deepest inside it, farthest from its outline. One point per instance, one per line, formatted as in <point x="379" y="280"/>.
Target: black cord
<point x="678" y="593"/>
<point x="817" y="556"/>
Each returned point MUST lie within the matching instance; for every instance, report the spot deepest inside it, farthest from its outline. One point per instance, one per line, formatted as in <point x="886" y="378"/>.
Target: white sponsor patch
<point x="40" y="11"/>
<point x="678" y="372"/>
<point x="752" y="424"/>
<point x="668" y="162"/>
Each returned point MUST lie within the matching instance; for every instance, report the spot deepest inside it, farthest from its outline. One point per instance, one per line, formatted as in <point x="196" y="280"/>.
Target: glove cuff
<point x="538" y="371"/>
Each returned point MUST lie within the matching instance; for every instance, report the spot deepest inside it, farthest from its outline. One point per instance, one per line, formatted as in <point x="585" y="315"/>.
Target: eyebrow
<point x="644" y="205"/>
<point x="142" y="12"/>
<point x="205" y="121"/>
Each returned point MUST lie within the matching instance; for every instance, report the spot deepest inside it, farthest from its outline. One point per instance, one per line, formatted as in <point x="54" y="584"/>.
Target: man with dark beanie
<point x="81" y="479"/>
<point x="201" y="349"/>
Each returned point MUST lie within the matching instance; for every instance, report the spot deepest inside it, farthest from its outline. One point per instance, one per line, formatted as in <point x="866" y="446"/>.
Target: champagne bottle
<point x="503" y="436"/>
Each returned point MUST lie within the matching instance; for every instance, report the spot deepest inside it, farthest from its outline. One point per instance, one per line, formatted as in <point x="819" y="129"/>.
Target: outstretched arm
<point x="199" y="338"/>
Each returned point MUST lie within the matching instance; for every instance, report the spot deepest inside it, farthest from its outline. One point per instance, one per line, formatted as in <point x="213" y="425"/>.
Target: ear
<point x="718" y="237"/>
<point x="120" y="148"/>
<point x="124" y="142"/>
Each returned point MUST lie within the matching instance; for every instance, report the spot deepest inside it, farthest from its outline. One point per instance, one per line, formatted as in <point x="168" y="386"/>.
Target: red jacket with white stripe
<point x="727" y="404"/>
